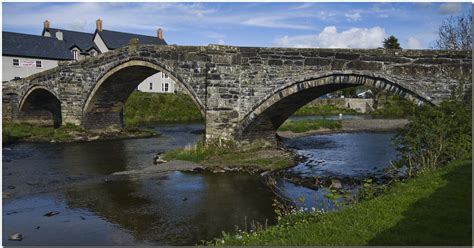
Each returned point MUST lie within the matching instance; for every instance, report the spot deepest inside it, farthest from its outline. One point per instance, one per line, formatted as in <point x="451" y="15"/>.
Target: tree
<point x="455" y="33"/>
<point x="391" y="43"/>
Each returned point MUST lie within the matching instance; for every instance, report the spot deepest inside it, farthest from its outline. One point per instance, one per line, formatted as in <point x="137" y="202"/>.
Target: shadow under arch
<point x="104" y="105"/>
<point x="40" y="106"/>
<point x="270" y="113"/>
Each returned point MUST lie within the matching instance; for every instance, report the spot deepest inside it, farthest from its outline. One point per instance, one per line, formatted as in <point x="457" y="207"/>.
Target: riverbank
<point x="432" y="209"/>
<point x="21" y="132"/>
<point x="345" y="126"/>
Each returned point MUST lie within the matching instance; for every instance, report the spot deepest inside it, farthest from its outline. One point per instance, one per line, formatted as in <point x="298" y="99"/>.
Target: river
<point x="173" y="208"/>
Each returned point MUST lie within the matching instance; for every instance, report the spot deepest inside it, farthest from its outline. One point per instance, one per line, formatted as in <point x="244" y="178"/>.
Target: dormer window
<point x="93" y="53"/>
<point x="75" y="53"/>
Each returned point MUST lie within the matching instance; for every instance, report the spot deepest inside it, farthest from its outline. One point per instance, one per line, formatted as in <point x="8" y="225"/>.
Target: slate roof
<point x="84" y="41"/>
<point x="34" y="46"/>
<point x="114" y="39"/>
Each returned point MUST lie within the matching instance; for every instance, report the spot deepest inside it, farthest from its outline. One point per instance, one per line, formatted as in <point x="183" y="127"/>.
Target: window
<point x="76" y="54"/>
<point x="39" y="63"/>
<point x="166" y="87"/>
<point x="151" y="86"/>
<point x="17" y="78"/>
<point x="16" y="62"/>
<point x="163" y="75"/>
<point x="93" y="53"/>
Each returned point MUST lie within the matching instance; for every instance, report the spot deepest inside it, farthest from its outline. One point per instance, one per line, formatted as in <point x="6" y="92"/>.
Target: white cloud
<point x="382" y="16"/>
<point x="353" y="16"/>
<point x="330" y="38"/>
<point x="450" y="8"/>
<point x="220" y="42"/>
<point x="413" y="43"/>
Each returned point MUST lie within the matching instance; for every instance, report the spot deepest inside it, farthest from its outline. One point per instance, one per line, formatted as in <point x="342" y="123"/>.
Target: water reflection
<point x="172" y="208"/>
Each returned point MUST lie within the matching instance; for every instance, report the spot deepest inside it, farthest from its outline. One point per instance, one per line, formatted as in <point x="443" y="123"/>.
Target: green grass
<point x="148" y="108"/>
<point x="432" y="209"/>
<point x="301" y="126"/>
<point x="21" y="131"/>
<point x="254" y="157"/>
<point x="324" y="110"/>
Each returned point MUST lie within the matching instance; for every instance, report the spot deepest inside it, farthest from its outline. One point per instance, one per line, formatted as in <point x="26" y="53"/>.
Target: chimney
<point x="98" y="25"/>
<point x="59" y="35"/>
<point x="46" y="24"/>
<point x="159" y="33"/>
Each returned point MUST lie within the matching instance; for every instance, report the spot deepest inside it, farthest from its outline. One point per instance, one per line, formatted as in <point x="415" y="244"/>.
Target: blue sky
<point x="345" y="25"/>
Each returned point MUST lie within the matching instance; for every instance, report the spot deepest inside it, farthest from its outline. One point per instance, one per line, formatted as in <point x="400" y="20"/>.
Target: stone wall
<point x="244" y="92"/>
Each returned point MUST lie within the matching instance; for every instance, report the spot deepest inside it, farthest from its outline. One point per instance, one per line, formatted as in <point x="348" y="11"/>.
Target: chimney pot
<point x="98" y="25"/>
<point x="159" y="33"/>
<point x="46" y="24"/>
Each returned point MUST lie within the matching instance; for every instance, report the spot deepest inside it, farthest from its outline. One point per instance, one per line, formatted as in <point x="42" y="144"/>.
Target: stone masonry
<point x="243" y="92"/>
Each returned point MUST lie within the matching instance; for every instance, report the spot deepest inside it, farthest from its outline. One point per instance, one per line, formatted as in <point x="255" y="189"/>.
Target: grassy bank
<point x="13" y="132"/>
<point x="324" y="110"/>
<point x="255" y="157"/>
<point x="145" y="108"/>
<point x="301" y="126"/>
<point x="432" y="209"/>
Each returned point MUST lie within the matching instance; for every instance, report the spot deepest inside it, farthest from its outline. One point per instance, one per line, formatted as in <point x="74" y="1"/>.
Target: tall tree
<point x="391" y="43"/>
<point x="455" y="33"/>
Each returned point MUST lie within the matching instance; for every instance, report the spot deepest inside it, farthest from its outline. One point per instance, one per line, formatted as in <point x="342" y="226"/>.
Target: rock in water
<point x="16" y="237"/>
<point x="159" y="161"/>
<point x="335" y="184"/>
<point x="52" y="213"/>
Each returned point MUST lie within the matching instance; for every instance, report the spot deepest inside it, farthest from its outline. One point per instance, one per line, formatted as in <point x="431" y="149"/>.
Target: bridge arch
<point x="40" y="105"/>
<point x="104" y="105"/>
<point x="269" y="114"/>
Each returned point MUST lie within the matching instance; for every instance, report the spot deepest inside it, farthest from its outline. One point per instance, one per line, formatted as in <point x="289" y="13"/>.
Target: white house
<point x="158" y="83"/>
<point x="24" y="55"/>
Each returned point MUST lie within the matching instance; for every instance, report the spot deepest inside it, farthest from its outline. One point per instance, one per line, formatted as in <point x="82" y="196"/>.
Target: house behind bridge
<point x="24" y="54"/>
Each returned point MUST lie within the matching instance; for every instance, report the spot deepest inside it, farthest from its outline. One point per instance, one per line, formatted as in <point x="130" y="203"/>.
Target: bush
<point x="435" y="136"/>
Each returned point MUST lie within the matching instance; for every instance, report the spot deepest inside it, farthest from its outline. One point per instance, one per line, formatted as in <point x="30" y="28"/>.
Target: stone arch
<point x="267" y="115"/>
<point x="105" y="101"/>
<point x="41" y="106"/>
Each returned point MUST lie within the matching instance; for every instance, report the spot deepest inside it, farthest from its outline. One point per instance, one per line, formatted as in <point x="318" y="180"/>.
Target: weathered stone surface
<point x="244" y="92"/>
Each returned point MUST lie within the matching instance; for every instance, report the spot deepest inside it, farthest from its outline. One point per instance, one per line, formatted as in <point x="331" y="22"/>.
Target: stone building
<point x="24" y="55"/>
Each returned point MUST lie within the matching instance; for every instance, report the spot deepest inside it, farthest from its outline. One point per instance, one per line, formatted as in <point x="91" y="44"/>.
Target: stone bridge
<point x="243" y="92"/>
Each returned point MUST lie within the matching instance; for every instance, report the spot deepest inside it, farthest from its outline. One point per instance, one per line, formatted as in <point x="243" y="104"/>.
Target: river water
<point x="173" y="208"/>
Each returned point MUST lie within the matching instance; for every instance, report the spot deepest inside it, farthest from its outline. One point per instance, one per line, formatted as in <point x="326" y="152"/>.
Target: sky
<point x="324" y="25"/>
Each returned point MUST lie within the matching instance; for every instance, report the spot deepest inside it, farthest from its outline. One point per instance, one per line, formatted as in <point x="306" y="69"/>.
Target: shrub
<point x="435" y="136"/>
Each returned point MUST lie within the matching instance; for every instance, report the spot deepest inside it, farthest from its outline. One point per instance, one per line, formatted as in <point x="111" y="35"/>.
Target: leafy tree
<point x="455" y="33"/>
<point x="435" y="136"/>
<point x="391" y="43"/>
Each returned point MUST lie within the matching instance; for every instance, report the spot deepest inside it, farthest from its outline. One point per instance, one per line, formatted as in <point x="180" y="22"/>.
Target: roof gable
<point x="84" y="41"/>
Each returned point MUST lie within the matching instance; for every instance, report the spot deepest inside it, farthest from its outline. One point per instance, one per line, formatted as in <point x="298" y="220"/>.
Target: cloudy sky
<point x="342" y="25"/>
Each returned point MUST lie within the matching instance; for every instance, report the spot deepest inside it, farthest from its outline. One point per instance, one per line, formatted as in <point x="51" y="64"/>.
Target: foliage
<point x="455" y="33"/>
<point x="394" y="107"/>
<point x="300" y="126"/>
<point x="145" y="108"/>
<point x="432" y="209"/>
<point x="391" y="43"/>
<point x="324" y="110"/>
<point x="435" y="136"/>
